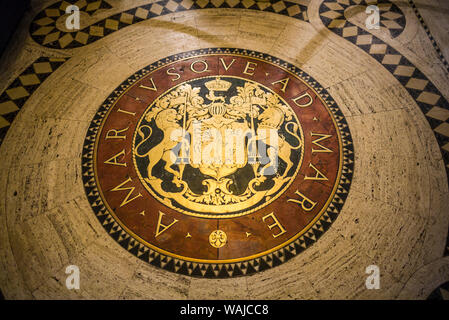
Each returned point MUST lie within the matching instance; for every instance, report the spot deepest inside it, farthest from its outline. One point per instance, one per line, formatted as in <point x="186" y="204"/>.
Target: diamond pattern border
<point x="229" y="269"/>
<point x="429" y="99"/>
<point x="44" y="31"/>
<point x="332" y="12"/>
<point x="431" y="38"/>
<point x="18" y="92"/>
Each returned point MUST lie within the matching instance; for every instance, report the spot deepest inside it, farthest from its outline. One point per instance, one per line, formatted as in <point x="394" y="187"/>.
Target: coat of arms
<point x="218" y="146"/>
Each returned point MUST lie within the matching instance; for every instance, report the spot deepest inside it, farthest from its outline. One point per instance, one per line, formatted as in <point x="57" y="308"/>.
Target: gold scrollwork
<point x="254" y="112"/>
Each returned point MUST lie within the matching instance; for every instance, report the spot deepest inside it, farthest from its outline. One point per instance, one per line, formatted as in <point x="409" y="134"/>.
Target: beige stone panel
<point x="390" y="163"/>
<point x="175" y="32"/>
<point x="11" y="281"/>
<point x="369" y="92"/>
<point x="427" y="138"/>
<point x="332" y="268"/>
<point x="38" y="250"/>
<point x="392" y="237"/>
<point x="297" y="278"/>
<point x="211" y="41"/>
<point x="77" y="228"/>
<point x="254" y="41"/>
<point x="290" y="291"/>
<point x="55" y="289"/>
<point x="221" y="23"/>
<point x="94" y="68"/>
<point x="154" y="39"/>
<point x="437" y="214"/>
<point x="287" y="281"/>
<point x="335" y="267"/>
<point x="91" y="220"/>
<point x="435" y="235"/>
<point x="422" y="47"/>
<point x="253" y="23"/>
<point x="432" y="5"/>
<point x="259" y="31"/>
<point x="69" y="100"/>
<point x="337" y="62"/>
<point x="235" y="288"/>
<point x="45" y="245"/>
<point x="426" y="279"/>
<point x="105" y="268"/>
<point x="35" y="189"/>
<point x="42" y="140"/>
<point x="343" y="276"/>
<point x="299" y="42"/>
<point x="226" y="289"/>
<point x="76" y="225"/>
<point x="149" y="282"/>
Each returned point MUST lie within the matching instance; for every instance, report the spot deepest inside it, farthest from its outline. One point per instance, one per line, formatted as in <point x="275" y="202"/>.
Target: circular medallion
<point x="218" y="162"/>
<point x="217" y="239"/>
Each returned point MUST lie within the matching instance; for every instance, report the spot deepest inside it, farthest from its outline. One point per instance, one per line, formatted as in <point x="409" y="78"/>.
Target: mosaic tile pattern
<point x="18" y="92"/>
<point x="391" y="17"/>
<point x="44" y="31"/>
<point x="427" y="96"/>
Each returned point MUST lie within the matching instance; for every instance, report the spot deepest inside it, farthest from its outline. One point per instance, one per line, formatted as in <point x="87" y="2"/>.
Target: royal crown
<point x="218" y="85"/>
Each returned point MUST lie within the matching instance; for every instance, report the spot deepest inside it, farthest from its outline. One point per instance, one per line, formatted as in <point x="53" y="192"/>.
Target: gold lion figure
<point x="166" y="120"/>
<point x="272" y="118"/>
